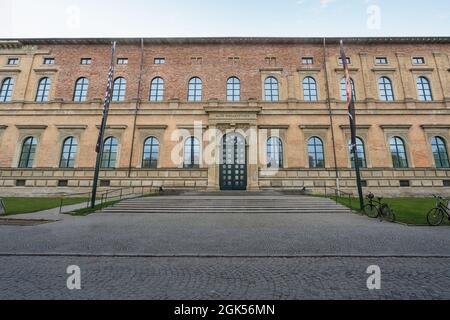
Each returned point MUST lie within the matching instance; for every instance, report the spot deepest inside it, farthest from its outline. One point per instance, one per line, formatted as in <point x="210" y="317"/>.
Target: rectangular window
<point x="13" y="61"/>
<point x="381" y="60"/>
<point x="49" y="61"/>
<point x="307" y="60"/>
<point x="234" y="60"/>
<point x="446" y="183"/>
<point x="63" y="183"/>
<point x="272" y="61"/>
<point x="418" y="60"/>
<point x="349" y="61"/>
<point x="86" y="61"/>
<point x="20" y="183"/>
<point x="105" y="183"/>
<point x="122" y="60"/>
<point x="364" y="183"/>
<point x="159" y="60"/>
<point x="404" y="183"/>
<point x="197" y="60"/>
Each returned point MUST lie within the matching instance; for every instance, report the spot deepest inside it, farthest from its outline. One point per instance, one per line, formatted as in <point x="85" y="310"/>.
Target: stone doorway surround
<point x="237" y="118"/>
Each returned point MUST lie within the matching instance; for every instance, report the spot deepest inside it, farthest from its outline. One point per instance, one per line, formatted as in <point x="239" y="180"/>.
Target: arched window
<point x="157" y="90"/>
<point x="195" y="89"/>
<point x="192" y="153"/>
<point x="109" y="155"/>
<point x="119" y="89"/>
<point x="81" y="90"/>
<point x="398" y="151"/>
<point x="385" y="89"/>
<point x="344" y="89"/>
<point x="360" y="153"/>
<point x="315" y="153"/>
<point x="309" y="89"/>
<point x="271" y="89"/>
<point x="151" y="153"/>
<point x="6" y="90"/>
<point x="274" y="153"/>
<point x="69" y="152"/>
<point x="28" y="152"/>
<point x="233" y="89"/>
<point x="440" y="152"/>
<point x="43" y="90"/>
<point x="424" y="89"/>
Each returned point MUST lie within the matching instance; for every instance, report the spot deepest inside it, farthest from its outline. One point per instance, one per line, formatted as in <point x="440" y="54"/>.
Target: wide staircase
<point x="228" y="203"/>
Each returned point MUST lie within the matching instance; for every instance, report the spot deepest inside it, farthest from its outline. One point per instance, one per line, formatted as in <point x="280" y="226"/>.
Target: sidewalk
<point x="50" y="214"/>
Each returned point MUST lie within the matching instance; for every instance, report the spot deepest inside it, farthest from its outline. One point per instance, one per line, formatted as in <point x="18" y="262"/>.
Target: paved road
<point x="245" y="234"/>
<point x="189" y="255"/>
<point x="224" y="278"/>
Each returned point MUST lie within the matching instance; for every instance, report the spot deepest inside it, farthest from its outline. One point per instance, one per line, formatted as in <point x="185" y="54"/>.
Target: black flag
<point x="352" y="117"/>
<point x="99" y="146"/>
<point x="350" y="101"/>
<point x="108" y="95"/>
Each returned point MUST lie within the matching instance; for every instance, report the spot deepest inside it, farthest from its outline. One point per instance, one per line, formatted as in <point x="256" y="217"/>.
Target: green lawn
<point x="407" y="210"/>
<point x="29" y="205"/>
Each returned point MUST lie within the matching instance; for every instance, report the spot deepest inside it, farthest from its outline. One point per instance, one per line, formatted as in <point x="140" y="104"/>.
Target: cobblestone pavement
<point x="311" y="254"/>
<point x="224" y="278"/>
<point x="234" y="234"/>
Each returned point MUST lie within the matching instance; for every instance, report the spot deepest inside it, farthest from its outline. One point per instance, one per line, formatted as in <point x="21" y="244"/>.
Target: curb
<point x="113" y="255"/>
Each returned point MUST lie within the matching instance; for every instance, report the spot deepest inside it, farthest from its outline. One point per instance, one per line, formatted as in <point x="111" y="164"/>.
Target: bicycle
<point x="435" y="216"/>
<point x="377" y="209"/>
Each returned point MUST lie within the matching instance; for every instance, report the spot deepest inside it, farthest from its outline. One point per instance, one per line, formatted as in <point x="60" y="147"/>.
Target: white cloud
<point x="325" y="3"/>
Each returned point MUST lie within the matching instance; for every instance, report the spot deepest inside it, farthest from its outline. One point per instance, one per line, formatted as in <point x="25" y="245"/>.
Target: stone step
<point x="225" y="209"/>
<point x="268" y="203"/>
<point x="230" y="202"/>
<point x="224" y="212"/>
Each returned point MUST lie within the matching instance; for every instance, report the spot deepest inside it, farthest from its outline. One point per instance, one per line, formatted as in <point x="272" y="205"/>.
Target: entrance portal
<point x="233" y="167"/>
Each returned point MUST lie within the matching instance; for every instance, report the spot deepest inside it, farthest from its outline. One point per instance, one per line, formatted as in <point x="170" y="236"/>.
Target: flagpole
<point x="99" y="146"/>
<point x="352" y="117"/>
<point x="330" y="115"/>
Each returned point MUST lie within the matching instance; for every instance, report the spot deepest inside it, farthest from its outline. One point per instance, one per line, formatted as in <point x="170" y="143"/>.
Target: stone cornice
<point x="42" y="70"/>
<point x="233" y="110"/>
<point x="11" y="70"/>
<point x="114" y="127"/>
<point x="396" y="126"/>
<point x="384" y="69"/>
<point x="226" y="40"/>
<point x="191" y="126"/>
<point x="10" y="44"/>
<point x="270" y="69"/>
<point x="72" y="127"/>
<point x="435" y="126"/>
<point x="421" y="69"/>
<point x="315" y="127"/>
<point x="29" y="126"/>
<point x="309" y="69"/>
<point x="274" y="126"/>
<point x="3" y="127"/>
<point x="351" y="69"/>
<point x="358" y="127"/>
<point x="151" y="127"/>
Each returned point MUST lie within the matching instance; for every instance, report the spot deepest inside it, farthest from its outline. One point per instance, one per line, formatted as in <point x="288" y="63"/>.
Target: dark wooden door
<point x="233" y="167"/>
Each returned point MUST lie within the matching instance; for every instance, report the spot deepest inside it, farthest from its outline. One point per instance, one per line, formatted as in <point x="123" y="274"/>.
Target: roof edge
<point x="230" y="40"/>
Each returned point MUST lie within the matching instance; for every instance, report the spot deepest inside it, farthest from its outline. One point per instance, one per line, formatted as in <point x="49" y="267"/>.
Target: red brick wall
<point x="214" y="70"/>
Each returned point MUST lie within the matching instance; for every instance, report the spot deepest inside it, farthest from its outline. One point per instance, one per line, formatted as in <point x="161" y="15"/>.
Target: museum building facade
<point x="213" y="114"/>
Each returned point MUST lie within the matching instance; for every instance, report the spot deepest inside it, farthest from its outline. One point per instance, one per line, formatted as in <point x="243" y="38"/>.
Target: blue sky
<point x="202" y="18"/>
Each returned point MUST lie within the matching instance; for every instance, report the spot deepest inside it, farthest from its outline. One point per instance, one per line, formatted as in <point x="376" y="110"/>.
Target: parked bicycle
<point x="442" y="208"/>
<point x="376" y="209"/>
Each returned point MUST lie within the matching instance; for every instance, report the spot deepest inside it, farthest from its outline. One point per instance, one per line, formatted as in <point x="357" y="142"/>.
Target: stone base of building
<point x="383" y="182"/>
